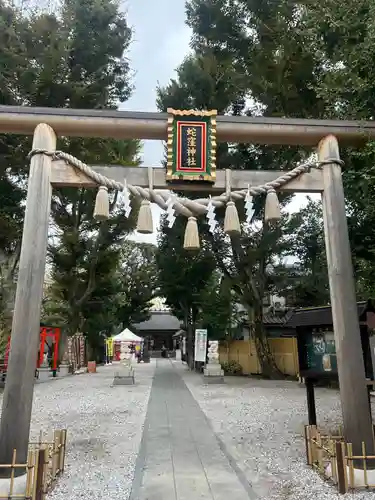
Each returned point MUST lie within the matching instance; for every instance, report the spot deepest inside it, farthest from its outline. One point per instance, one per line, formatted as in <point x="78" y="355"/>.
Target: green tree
<point x="137" y="276"/>
<point x="219" y="313"/>
<point x="80" y="61"/>
<point x="303" y="277"/>
<point x="236" y="259"/>
<point x="267" y="45"/>
<point x="13" y="150"/>
<point x="77" y="58"/>
<point x="182" y="278"/>
<point x="346" y="38"/>
<point x="293" y="59"/>
<point x="121" y="295"/>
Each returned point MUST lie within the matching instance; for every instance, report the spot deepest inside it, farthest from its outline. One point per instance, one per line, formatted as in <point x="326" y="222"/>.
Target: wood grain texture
<point x="65" y="175"/>
<point x="141" y="125"/>
<point x="18" y="393"/>
<point x="351" y="369"/>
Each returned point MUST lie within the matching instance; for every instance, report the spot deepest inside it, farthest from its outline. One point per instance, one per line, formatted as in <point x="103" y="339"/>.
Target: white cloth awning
<point x="127" y="336"/>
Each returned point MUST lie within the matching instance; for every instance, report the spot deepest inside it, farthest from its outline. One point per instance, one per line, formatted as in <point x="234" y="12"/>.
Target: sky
<point x="160" y="43"/>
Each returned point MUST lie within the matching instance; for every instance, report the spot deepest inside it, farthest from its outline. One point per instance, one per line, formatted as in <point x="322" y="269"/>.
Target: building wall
<point x="244" y="352"/>
<point x="159" y="337"/>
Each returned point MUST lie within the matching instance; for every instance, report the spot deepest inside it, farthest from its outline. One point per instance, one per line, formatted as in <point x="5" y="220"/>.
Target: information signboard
<point x="200" y="345"/>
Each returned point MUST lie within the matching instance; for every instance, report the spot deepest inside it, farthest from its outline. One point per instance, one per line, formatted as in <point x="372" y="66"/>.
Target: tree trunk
<point x="190" y="346"/>
<point x="263" y="350"/>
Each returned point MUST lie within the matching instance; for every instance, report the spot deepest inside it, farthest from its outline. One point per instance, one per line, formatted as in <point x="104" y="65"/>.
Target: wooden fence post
<point x="29" y="475"/>
<point x="312" y="436"/>
<point x="342" y="480"/>
<point x="42" y="461"/>
<point x="55" y="453"/>
<point x="62" y="451"/>
<point x="307" y="443"/>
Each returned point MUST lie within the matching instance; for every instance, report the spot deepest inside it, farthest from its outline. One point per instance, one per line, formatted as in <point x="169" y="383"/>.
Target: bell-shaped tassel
<point x="272" y="211"/>
<point x="191" y="239"/>
<point x="232" y="224"/>
<point x="145" y="224"/>
<point x="101" y="210"/>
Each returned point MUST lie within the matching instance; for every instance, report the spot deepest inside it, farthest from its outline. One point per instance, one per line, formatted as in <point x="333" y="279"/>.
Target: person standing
<point x="138" y="353"/>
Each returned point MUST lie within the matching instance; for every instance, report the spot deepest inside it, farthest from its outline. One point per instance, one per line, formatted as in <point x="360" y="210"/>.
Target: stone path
<point x="180" y="457"/>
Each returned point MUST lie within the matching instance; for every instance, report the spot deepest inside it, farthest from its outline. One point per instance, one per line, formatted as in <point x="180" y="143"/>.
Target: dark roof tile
<point x="316" y="316"/>
<point x="159" y="321"/>
<point x="272" y="319"/>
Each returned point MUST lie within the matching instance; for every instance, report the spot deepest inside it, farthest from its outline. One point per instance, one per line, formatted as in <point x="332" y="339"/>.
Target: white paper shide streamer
<point x="125" y="198"/>
<point x="212" y="222"/>
<point x="170" y="212"/>
<point x="249" y="206"/>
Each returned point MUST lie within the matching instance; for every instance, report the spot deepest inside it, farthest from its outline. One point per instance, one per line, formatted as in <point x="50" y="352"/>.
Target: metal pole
<point x="310" y="398"/>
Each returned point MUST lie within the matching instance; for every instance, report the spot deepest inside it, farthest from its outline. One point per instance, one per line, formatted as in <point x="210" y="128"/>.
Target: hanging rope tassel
<point x="232" y="224"/>
<point x="145" y="224"/>
<point x="272" y="212"/>
<point x="101" y="210"/>
<point x="191" y="239"/>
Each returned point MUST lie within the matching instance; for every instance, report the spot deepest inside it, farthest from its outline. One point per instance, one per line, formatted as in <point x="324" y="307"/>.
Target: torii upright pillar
<point x="350" y="364"/>
<point x="18" y="393"/>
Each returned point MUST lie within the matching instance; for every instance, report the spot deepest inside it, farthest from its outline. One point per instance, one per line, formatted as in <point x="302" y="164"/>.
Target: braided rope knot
<point x="183" y="206"/>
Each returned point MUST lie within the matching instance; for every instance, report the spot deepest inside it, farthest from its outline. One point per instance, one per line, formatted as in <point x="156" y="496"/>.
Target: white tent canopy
<point x="127" y="336"/>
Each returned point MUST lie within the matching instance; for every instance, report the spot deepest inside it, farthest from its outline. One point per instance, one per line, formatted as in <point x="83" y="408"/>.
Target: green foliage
<point x="271" y="58"/>
<point x="182" y="275"/>
<point x="138" y="279"/>
<point x="74" y="58"/>
<point x="87" y="49"/>
<point x="295" y="59"/>
<point x="124" y="286"/>
<point x="122" y="297"/>
<point x="13" y="151"/>
<point x="219" y="314"/>
<point x="303" y="281"/>
<point x="231" y="368"/>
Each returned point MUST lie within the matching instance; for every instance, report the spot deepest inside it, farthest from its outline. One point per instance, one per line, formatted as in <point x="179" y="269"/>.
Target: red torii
<point x="45" y="331"/>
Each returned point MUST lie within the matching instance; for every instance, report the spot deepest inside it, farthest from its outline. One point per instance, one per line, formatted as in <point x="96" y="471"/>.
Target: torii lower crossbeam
<point x="65" y="175"/>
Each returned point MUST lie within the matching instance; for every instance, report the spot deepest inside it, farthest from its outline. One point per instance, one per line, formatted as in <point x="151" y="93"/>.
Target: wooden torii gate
<point x="45" y="173"/>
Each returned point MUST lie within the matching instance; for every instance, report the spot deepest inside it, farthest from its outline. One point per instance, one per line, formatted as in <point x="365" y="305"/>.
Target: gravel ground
<point x="104" y="430"/>
<point x="261" y="423"/>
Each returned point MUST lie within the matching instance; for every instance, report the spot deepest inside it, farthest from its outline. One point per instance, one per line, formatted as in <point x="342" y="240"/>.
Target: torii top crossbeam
<point x="141" y="125"/>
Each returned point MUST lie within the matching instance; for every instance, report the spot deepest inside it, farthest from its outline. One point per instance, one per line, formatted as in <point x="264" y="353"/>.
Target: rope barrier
<point x="184" y="206"/>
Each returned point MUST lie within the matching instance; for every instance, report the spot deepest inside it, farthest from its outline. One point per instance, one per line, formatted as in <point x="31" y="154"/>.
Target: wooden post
<point x="18" y="393"/>
<point x="307" y="444"/>
<point x="310" y="396"/>
<point x="342" y="482"/>
<point x="41" y="474"/>
<point x="350" y="364"/>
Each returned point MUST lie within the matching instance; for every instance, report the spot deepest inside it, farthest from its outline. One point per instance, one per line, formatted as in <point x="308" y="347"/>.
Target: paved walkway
<point x="180" y="456"/>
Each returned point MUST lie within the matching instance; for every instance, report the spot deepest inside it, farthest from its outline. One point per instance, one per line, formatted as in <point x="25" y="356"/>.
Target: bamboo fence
<point x="333" y="458"/>
<point x="45" y="463"/>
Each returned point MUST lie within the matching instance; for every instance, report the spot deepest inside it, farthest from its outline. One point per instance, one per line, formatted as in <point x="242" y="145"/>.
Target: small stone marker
<point x="124" y="375"/>
<point x="43" y="373"/>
